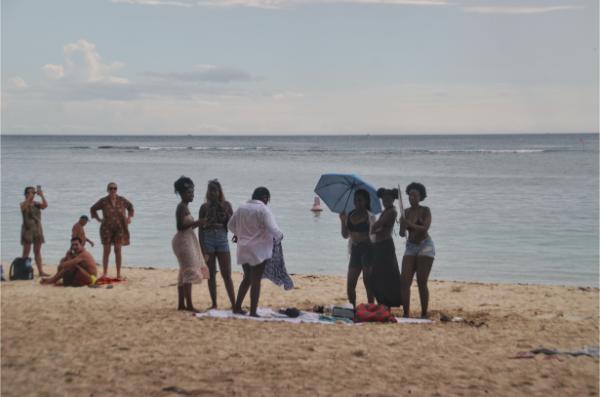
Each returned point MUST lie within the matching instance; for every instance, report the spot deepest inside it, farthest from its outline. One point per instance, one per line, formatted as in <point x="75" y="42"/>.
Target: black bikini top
<point x="362" y="227"/>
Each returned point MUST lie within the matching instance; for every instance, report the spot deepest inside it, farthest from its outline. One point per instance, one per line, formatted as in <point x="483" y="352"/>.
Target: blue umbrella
<point x="337" y="191"/>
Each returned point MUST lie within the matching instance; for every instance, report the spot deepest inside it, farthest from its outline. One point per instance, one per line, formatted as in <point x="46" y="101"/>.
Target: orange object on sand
<point x="108" y="280"/>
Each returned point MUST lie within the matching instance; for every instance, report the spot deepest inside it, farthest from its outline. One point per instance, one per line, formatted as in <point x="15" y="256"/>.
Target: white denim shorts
<point x="424" y="248"/>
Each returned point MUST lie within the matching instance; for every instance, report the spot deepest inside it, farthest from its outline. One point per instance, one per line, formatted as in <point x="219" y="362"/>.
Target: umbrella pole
<point x="400" y="204"/>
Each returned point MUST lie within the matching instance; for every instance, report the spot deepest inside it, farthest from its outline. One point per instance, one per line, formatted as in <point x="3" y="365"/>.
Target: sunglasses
<point x="112" y="188"/>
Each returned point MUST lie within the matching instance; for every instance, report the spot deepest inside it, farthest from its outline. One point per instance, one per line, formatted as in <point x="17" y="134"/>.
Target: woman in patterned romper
<point x="117" y="212"/>
<point x="31" y="230"/>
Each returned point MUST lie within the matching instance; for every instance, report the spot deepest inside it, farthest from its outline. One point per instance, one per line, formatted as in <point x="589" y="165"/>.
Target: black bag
<point x="21" y="269"/>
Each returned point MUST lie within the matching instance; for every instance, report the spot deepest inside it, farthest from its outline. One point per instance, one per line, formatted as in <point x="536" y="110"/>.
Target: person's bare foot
<point x="44" y="274"/>
<point x="213" y="307"/>
<point x="254" y="315"/>
<point x="239" y="311"/>
<point x="45" y="281"/>
<point x="193" y="309"/>
<point x="180" y="307"/>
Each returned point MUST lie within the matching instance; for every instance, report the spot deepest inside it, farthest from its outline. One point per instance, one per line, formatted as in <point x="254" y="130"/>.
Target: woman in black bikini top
<point x="356" y="227"/>
<point x="361" y="227"/>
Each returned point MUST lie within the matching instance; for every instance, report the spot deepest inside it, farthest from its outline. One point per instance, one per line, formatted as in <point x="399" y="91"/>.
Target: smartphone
<point x="39" y="187"/>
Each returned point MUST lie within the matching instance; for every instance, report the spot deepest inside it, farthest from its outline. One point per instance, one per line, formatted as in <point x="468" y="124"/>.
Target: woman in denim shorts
<point x="420" y="251"/>
<point x="216" y="212"/>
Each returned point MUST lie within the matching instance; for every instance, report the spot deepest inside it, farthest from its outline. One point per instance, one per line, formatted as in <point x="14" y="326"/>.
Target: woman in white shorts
<point x="420" y="251"/>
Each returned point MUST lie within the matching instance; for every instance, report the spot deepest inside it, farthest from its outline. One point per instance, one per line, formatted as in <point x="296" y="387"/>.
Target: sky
<point x="299" y="66"/>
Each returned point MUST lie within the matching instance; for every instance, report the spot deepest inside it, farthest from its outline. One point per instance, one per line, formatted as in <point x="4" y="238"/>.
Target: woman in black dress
<point x="385" y="275"/>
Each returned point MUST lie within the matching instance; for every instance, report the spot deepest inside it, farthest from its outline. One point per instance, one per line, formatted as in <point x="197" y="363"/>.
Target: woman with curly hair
<point x="420" y="251"/>
<point x="186" y="247"/>
<point x="216" y="212"/>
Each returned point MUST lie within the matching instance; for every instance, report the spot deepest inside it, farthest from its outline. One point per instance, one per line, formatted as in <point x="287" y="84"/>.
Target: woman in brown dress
<point x="117" y="212"/>
<point x="192" y="268"/>
<point x="31" y="230"/>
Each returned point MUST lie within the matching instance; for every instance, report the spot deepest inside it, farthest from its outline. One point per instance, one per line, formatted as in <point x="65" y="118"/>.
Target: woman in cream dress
<point x="192" y="267"/>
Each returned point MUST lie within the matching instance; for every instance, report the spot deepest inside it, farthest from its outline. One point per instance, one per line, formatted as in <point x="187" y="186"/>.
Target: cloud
<point x="18" y="83"/>
<point x="283" y="4"/>
<point x="206" y="73"/>
<point x="84" y="76"/>
<point x="53" y="71"/>
<point x="280" y="96"/>
<point x="157" y="2"/>
<point x="276" y="4"/>
<point x="518" y="9"/>
<point x="83" y="64"/>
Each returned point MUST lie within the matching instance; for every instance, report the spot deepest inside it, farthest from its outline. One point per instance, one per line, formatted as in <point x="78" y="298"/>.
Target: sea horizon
<point x="291" y="135"/>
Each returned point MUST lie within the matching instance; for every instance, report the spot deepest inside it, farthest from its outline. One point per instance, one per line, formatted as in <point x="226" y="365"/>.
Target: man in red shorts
<point x="76" y="269"/>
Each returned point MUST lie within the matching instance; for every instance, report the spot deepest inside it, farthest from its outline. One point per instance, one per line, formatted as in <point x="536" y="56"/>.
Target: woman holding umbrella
<point x="356" y="226"/>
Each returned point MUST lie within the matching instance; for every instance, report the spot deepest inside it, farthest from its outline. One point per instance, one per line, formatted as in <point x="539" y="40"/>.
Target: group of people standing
<point x="373" y="253"/>
<point x="371" y="245"/>
<point x="254" y="230"/>
<point x="78" y="267"/>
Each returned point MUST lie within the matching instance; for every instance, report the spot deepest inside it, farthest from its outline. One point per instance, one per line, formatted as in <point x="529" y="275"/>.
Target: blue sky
<point x="299" y="66"/>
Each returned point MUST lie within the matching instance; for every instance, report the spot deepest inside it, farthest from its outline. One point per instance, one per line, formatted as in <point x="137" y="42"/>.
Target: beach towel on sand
<point x="268" y="314"/>
<point x="108" y="280"/>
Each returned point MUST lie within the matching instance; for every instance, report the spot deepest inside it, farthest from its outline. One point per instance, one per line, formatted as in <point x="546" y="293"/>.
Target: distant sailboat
<point x="316" y="205"/>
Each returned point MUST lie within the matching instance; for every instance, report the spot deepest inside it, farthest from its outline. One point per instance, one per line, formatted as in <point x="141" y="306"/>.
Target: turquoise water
<point x="506" y="208"/>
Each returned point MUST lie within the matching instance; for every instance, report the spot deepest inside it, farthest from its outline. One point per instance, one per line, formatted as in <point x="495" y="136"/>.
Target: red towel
<point x="108" y="280"/>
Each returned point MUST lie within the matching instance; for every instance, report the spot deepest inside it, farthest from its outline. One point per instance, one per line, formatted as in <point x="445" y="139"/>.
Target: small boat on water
<point x="316" y="205"/>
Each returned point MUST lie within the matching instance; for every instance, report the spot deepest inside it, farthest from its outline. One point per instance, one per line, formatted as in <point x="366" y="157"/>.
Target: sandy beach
<point x="130" y="341"/>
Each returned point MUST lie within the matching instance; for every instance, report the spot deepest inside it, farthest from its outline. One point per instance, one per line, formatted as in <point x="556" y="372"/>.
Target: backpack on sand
<point x="21" y="269"/>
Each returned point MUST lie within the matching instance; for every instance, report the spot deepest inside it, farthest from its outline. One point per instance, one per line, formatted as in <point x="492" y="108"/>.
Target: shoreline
<point x="131" y="340"/>
<point x="111" y="268"/>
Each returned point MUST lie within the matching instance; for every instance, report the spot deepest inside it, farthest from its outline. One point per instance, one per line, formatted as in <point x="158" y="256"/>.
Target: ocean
<point x="506" y="208"/>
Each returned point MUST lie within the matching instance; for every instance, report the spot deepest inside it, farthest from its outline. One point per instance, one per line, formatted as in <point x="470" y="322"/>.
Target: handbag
<point x="373" y="313"/>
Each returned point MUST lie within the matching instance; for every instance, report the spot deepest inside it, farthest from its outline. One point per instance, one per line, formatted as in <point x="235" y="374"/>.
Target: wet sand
<point x="130" y="341"/>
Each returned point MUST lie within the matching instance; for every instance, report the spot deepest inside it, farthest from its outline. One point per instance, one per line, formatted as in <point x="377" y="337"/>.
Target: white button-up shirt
<point x="254" y="225"/>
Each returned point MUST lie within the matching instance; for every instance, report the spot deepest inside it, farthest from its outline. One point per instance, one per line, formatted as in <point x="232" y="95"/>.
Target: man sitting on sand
<point x="255" y="231"/>
<point x="79" y="231"/>
<point x="76" y="269"/>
